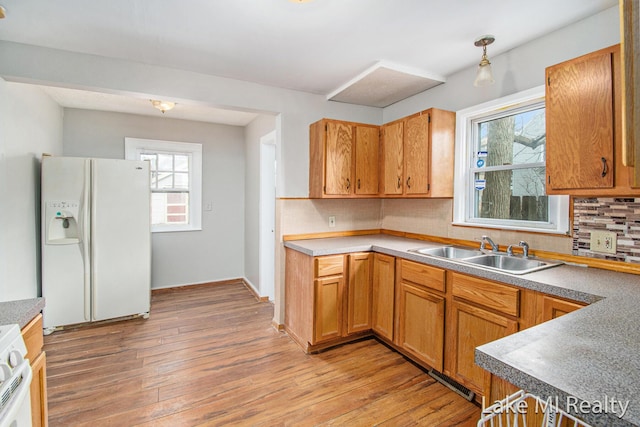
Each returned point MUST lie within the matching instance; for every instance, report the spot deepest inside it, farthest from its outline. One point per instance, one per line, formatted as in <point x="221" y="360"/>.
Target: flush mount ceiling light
<point x="300" y="1"/>
<point x="162" y="105"/>
<point x="484" y="77"/>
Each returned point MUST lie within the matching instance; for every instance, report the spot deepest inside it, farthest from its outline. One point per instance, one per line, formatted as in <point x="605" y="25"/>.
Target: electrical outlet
<point x="332" y="221"/>
<point x="603" y="241"/>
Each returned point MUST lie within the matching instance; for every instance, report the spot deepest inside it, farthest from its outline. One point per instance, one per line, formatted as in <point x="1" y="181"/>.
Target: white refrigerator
<point x="96" y="240"/>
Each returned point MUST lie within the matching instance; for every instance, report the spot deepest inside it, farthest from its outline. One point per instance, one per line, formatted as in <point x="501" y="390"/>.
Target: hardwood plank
<point x="208" y="355"/>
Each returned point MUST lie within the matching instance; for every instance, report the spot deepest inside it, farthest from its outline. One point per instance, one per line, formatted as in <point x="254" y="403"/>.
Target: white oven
<point x="15" y="379"/>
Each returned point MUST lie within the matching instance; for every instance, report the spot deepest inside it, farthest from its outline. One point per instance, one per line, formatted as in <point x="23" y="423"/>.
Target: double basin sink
<point x="498" y="261"/>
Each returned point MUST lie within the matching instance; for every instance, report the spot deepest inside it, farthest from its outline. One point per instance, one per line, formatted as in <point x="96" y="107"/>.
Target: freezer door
<point x="65" y="240"/>
<point x="121" y="238"/>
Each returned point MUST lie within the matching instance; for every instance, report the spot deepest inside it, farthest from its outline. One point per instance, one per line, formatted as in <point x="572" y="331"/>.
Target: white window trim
<point x="559" y="222"/>
<point x="133" y="147"/>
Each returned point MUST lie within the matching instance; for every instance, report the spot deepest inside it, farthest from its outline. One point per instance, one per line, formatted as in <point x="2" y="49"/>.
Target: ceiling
<point x="369" y="52"/>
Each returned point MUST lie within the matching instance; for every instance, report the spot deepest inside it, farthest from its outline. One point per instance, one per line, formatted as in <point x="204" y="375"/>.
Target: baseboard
<point x="242" y="280"/>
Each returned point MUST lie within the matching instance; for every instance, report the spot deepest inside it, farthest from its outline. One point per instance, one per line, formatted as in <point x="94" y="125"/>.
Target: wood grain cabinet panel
<point x="553" y="308"/>
<point x="34" y="341"/>
<point x="583" y="119"/>
<point x="343" y="159"/>
<point x="471" y="327"/>
<point x="359" y="293"/>
<point x="421" y="324"/>
<point x="418" y="155"/>
<point x="420" y="312"/>
<point x="383" y="302"/>
<point x="328" y="309"/>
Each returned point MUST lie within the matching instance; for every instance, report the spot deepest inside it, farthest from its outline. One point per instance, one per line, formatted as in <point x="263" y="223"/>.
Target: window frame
<point x="134" y="147"/>
<point x="464" y="196"/>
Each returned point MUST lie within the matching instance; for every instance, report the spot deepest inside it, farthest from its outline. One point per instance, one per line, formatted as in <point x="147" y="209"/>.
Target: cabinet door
<point x="359" y="292"/>
<point x="416" y="154"/>
<point x="471" y="327"/>
<point x="579" y="120"/>
<point x="393" y="163"/>
<point x="553" y="307"/>
<point x="383" y="295"/>
<point x="338" y="158"/>
<point x="421" y="324"/>
<point x="329" y="300"/>
<point x="367" y="148"/>
<point x="38" y="391"/>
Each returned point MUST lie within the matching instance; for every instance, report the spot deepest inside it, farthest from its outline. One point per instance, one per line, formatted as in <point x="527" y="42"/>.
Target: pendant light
<point x="484" y="76"/>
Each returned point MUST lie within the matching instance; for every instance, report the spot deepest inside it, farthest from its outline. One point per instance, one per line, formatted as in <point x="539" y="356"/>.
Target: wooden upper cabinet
<point x="583" y="120"/>
<point x="418" y="155"/>
<point x="343" y="159"/>
<point x="367" y="143"/>
<point x="393" y="156"/>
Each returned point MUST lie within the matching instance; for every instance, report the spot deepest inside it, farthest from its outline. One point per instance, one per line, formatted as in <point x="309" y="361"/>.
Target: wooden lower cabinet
<point x="553" y="308"/>
<point x="383" y="303"/>
<point x="359" y="293"/>
<point x="471" y="327"/>
<point x="328" y="298"/>
<point x="328" y="308"/>
<point x="421" y="324"/>
<point x="34" y="340"/>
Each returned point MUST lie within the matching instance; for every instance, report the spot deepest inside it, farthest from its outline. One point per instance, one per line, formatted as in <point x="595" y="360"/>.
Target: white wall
<point x="179" y="258"/>
<point x="30" y="124"/>
<point x="258" y="128"/>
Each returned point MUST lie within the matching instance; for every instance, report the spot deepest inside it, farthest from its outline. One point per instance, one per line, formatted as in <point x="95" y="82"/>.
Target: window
<point x="176" y="182"/>
<point x="500" y="167"/>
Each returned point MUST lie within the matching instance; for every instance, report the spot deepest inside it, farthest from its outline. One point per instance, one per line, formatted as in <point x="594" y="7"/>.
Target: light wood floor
<point x="208" y="355"/>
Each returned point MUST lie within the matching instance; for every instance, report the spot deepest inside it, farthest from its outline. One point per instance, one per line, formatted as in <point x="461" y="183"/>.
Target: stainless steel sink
<point x="510" y="264"/>
<point x="451" y="252"/>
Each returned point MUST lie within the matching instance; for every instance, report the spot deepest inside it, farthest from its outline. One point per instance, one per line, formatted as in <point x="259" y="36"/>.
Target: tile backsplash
<point x="620" y="215"/>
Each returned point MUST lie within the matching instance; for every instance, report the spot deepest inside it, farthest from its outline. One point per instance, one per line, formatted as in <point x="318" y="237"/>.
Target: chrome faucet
<point x="525" y="248"/>
<point x="487" y="239"/>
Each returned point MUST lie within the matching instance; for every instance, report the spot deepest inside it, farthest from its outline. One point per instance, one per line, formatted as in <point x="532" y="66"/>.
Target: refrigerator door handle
<point x="86" y="238"/>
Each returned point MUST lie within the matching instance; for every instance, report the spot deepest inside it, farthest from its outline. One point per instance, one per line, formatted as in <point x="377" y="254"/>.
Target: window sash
<point x="467" y="145"/>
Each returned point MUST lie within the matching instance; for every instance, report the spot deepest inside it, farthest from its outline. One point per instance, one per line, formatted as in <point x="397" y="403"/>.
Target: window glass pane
<point x="165" y="162"/>
<point x="511" y="194"/>
<point x="181" y="163"/>
<point x="181" y="180"/>
<point x="516" y="139"/>
<point x="165" y="180"/>
<point x="169" y="208"/>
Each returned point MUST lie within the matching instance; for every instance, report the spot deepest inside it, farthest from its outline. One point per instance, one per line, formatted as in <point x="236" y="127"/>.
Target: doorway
<point x="267" y="214"/>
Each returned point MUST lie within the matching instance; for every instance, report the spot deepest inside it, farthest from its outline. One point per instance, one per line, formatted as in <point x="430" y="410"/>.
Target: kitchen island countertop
<point x="588" y="359"/>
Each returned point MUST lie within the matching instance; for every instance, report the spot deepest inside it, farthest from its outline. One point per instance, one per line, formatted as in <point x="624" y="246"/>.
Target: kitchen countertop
<point x="20" y="311"/>
<point x="589" y="355"/>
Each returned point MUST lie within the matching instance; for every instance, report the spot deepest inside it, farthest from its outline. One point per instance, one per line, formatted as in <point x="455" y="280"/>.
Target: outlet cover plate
<point x="603" y="241"/>
<point x="332" y="221"/>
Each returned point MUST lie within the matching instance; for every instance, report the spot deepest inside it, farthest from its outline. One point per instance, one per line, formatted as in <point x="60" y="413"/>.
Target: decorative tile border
<point x="621" y="215"/>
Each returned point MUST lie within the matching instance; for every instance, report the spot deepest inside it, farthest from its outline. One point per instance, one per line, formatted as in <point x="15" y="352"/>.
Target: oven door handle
<point x="20" y="382"/>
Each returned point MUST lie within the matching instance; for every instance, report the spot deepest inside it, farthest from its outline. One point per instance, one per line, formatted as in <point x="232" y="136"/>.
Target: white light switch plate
<point x="603" y="241"/>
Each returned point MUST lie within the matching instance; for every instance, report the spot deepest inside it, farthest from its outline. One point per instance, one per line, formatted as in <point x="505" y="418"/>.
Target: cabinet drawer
<point x="33" y="338"/>
<point x="329" y="265"/>
<point x="489" y="294"/>
<point x="421" y="274"/>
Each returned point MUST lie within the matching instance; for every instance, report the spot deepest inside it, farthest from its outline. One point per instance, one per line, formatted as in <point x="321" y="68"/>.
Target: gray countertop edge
<point x="544" y="390"/>
<point x="20" y="311"/>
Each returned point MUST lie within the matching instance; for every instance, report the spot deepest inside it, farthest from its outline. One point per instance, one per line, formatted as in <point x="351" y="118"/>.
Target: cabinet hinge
<point x="326" y="127"/>
<point x="548" y="81"/>
<point x="429" y="118"/>
<point x="549" y="179"/>
<point x="428" y="187"/>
